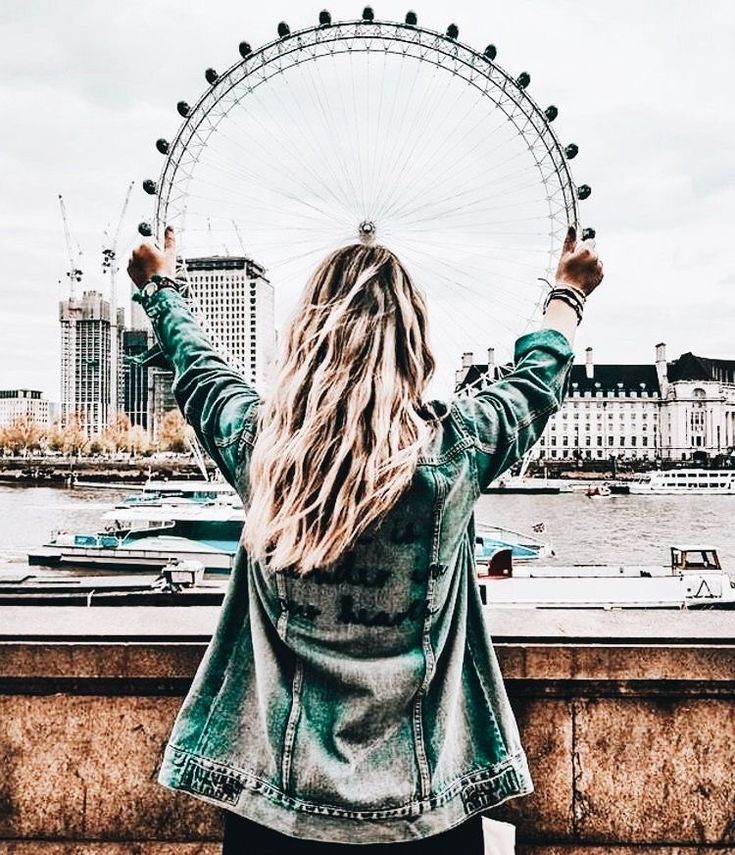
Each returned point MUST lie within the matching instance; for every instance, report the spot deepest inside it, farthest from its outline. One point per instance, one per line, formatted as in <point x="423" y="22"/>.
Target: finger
<point x="169" y="245"/>
<point x="570" y="240"/>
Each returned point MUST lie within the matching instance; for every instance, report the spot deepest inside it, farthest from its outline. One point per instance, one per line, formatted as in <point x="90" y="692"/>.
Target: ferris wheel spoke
<point x="333" y="168"/>
<point x="293" y="168"/>
<point x="429" y="216"/>
<point x="378" y="136"/>
<point x="453" y="188"/>
<point x="383" y="134"/>
<point x="471" y="251"/>
<point x="440" y="163"/>
<point x="415" y="104"/>
<point x="456" y="285"/>
<point x="344" y="124"/>
<point x="402" y="160"/>
<point x="335" y="134"/>
<point x="422" y="167"/>
<point x="293" y="162"/>
<point x="461" y="272"/>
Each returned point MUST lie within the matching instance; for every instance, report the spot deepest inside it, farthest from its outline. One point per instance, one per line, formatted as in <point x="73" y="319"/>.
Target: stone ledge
<point x="577" y="849"/>
<point x="40" y="847"/>
<point x="541" y="626"/>
<point x="10" y="847"/>
<point x="165" y="668"/>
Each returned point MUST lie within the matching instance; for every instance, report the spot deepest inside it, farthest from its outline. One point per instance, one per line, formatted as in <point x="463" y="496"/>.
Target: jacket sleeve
<point x="214" y="398"/>
<point x="507" y="418"/>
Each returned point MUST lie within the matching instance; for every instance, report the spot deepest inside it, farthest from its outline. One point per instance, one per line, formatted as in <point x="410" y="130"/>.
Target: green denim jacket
<point x="362" y="704"/>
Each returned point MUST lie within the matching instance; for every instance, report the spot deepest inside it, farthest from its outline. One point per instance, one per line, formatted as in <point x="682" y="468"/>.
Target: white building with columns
<point x="698" y="413"/>
<point x="661" y="410"/>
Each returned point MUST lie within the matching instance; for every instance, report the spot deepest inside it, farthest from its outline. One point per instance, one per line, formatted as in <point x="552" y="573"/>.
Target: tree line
<point x="23" y="436"/>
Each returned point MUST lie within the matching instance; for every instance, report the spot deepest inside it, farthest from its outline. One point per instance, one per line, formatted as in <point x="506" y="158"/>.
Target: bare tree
<point x="173" y="432"/>
<point x="23" y="435"/>
<point x="74" y="438"/>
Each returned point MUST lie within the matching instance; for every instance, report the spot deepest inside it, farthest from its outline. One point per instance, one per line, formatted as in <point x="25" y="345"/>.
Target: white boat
<point x="182" y="492"/>
<point x="598" y="491"/>
<point x="702" y="482"/>
<point x="694" y="578"/>
<point x="166" y="521"/>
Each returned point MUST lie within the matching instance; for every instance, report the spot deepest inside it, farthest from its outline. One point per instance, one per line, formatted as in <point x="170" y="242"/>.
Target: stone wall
<point x="629" y="723"/>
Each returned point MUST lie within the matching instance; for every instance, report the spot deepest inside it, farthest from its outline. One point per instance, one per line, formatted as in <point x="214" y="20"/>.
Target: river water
<point x="621" y="529"/>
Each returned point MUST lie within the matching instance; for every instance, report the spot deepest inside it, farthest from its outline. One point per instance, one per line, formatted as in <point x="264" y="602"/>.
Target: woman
<point x="350" y="694"/>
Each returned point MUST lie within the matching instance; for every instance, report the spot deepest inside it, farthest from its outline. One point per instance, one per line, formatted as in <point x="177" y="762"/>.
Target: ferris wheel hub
<point x="366" y="231"/>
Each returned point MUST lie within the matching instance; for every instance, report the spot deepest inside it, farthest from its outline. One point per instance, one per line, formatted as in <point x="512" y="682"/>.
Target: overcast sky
<point x="645" y="88"/>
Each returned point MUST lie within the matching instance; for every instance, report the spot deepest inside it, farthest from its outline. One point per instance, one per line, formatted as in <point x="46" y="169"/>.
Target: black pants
<point x="243" y="837"/>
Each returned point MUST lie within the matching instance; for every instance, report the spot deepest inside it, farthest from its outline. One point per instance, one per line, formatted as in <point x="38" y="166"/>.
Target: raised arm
<point x="214" y="398"/>
<point x="508" y="417"/>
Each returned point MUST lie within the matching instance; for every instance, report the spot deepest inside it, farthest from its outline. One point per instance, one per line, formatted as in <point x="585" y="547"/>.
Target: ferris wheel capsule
<point x="452" y="31"/>
<point x="283" y="30"/>
<point x="145" y="229"/>
<point x="491" y="52"/>
<point x="162" y="145"/>
<point x="551" y="112"/>
<point x="150" y="187"/>
<point x="523" y="79"/>
<point x="325" y="19"/>
<point x="183" y="108"/>
<point x="245" y="49"/>
<point x="211" y="76"/>
<point x="411" y="19"/>
<point x="571" y="151"/>
<point x="368" y="14"/>
<point x="588" y="233"/>
<point x="584" y="191"/>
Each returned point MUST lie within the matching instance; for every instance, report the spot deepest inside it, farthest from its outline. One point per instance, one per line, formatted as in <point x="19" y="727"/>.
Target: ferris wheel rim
<point x="479" y="67"/>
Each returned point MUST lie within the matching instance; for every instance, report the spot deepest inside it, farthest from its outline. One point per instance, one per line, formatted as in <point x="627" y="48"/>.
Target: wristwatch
<point x="156" y="283"/>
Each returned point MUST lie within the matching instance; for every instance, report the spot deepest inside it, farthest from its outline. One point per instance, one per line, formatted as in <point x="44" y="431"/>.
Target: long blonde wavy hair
<point x="340" y="435"/>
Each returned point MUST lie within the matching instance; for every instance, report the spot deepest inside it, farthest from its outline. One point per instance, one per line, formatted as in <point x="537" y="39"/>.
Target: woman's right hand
<point x="579" y="264"/>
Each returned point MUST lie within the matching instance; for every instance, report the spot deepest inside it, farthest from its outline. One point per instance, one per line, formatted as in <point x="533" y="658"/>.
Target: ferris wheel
<point x="368" y="129"/>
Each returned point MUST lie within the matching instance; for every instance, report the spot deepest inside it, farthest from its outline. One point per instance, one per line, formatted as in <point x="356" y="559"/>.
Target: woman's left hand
<point x="147" y="260"/>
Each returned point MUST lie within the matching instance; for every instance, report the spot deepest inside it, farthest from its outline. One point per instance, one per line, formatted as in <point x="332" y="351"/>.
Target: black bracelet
<point x="573" y="297"/>
<point x="163" y="281"/>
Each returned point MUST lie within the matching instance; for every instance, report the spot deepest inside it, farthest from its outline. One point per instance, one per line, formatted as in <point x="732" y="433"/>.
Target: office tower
<point x="86" y="361"/>
<point x="236" y="301"/>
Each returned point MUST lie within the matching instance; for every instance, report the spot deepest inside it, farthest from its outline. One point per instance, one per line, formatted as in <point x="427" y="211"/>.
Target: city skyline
<point x="645" y="104"/>
<point x="234" y="302"/>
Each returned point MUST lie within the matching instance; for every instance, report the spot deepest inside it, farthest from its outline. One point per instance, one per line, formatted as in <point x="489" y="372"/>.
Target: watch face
<point x="150" y="289"/>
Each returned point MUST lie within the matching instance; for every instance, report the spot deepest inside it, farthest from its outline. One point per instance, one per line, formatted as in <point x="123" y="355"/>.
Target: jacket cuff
<point x="156" y="303"/>
<point x="550" y="340"/>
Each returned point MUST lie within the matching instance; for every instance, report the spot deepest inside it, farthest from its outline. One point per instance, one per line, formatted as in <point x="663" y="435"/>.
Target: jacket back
<point x="363" y="702"/>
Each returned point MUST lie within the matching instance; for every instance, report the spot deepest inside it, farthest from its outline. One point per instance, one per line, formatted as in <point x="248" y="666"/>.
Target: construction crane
<point x="239" y="236"/>
<point x="109" y="253"/>
<point x="109" y="263"/>
<point x="74" y="272"/>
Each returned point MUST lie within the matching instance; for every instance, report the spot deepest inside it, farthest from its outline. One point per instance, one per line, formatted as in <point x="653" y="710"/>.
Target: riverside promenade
<point x="627" y="716"/>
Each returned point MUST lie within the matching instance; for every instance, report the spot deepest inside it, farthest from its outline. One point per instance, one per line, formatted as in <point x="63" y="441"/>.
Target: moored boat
<point x="524" y="547"/>
<point x="694" y="578"/>
<point x="702" y="482"/>
<point x="201" y="521"/>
